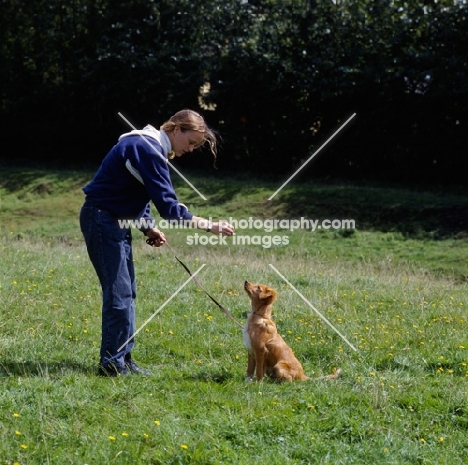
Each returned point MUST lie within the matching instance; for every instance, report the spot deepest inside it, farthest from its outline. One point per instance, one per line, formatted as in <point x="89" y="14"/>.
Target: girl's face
<point x="185" y="141"/>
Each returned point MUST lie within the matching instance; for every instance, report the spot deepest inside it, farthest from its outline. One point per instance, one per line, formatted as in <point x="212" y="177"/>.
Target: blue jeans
<point x="110" y="250"/>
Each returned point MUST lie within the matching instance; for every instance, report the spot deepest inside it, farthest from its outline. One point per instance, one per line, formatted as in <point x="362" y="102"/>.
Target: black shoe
<point x="134" y="368"/>
<point x="113" y="370"/>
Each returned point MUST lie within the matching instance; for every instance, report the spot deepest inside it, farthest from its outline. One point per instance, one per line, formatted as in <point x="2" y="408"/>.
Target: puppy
<point x="268" y="353"/>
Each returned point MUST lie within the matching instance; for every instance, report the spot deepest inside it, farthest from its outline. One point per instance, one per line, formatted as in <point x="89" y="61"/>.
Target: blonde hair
<point x="189" y="120"/>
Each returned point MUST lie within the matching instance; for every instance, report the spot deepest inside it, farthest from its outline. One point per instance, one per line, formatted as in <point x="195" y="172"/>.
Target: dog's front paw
<point x="249" y="379"/>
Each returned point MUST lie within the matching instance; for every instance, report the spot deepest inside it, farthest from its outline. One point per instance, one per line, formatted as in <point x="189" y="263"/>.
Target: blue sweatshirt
<point x="132" y="174"/>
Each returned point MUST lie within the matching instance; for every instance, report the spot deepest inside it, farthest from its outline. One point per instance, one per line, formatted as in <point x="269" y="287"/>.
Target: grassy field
<point x="395" y="288"/>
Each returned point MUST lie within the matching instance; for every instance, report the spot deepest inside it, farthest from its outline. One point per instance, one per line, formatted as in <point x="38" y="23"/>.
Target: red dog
<point x="267" y="352"/>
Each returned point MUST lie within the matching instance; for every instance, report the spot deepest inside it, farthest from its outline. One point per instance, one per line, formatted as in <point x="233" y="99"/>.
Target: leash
<point x="194" y="278"/>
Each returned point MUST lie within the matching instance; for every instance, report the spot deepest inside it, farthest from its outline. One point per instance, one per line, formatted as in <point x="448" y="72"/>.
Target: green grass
<point x="395" y="289"/>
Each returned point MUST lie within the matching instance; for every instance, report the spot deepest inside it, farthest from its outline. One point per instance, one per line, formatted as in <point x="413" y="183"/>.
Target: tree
<point x="277" y="78"/>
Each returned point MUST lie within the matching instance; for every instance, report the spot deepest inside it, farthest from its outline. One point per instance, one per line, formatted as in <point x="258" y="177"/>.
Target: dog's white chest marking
<point x="247" y="341"/>
<point x="246" y="335"/>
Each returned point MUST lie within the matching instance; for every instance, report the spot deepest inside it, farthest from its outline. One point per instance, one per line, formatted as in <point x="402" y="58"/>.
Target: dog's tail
<point x="334" y="375"/>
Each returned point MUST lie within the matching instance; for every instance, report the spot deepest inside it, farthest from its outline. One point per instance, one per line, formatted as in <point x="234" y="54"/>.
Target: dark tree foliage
<point x="275" y="77"/>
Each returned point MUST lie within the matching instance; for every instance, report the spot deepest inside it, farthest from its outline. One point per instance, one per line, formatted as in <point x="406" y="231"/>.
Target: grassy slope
<point x="425" y="228"/>
<point x="398" y="296"/>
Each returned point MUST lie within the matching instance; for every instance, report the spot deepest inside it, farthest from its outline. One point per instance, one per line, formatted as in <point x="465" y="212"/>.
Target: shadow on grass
<point x="40" y="182"/>
<point x="44" y="368"/>
<point x="414" y="214"/>
<point x="428" y="213"/>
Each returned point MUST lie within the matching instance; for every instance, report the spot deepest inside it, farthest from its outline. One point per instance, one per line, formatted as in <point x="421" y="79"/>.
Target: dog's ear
<point x="268" y="294"/>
